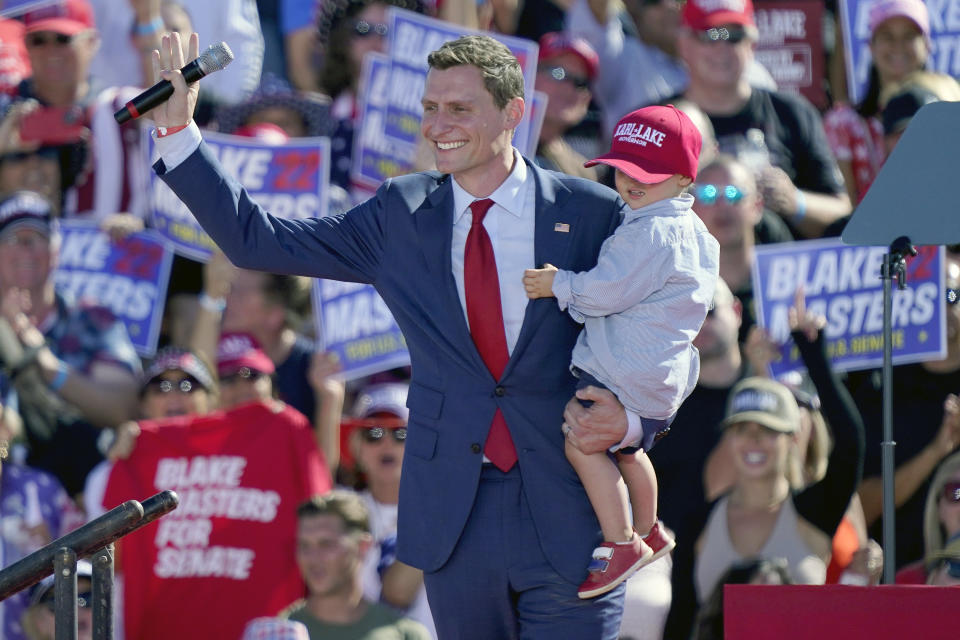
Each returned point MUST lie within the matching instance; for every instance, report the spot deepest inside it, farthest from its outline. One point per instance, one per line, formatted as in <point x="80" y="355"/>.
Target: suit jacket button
<point x="475" y="448"/>
<point x="499" y="391"/>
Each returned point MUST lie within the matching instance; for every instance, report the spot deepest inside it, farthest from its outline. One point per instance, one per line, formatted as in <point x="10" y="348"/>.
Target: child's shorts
<point x="653" y="430"/>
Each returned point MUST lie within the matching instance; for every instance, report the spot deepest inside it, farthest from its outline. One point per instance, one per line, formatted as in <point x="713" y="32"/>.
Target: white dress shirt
<point x="510" y="224"/>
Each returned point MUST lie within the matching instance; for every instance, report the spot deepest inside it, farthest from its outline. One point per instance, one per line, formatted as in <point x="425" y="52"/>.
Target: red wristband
<point x="163" y="132"/>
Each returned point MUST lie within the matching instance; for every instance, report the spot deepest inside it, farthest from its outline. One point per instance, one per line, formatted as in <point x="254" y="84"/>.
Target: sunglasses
<point x="375" y="434"/>
<point x="951" y="492"/>
<point x="49" y="153"/>
<point x="243" y="373"/>
<point x="84" y="600"/>
<point x="560" y="74"/>
<point x="43" y="39"/>
<point x="28" y="241"/>
<point x="953" y="296"/>
<point x="186" y="385"/>
<point x="363" y="29"/>
<point x="733" y="35"/>
<point x="708" y="193"/>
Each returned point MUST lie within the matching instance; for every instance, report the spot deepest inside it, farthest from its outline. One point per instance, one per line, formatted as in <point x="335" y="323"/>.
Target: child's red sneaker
<point x="660" y="540"/>
<point x="612" y="564"/>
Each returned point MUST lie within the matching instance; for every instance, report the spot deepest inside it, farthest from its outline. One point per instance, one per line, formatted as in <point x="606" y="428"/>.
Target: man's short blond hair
<point x="502" y="76"/>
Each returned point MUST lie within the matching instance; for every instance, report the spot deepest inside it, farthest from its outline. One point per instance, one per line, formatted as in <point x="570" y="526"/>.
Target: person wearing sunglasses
<point x="941" y="521"/>
<point x="653" y="48"/>
<point x="899" y="45"/>
<point x="565" y="70"/>
<point x="61" y="40"/>
<point x="728" y="201"/>
<point x="346" y="31"/>
<point x="378" y="435"/>
<point x="175" y="383"/>
<point x="38" y="620"/>
<point x="780" y="135"/>
<point x="244" y="369"/>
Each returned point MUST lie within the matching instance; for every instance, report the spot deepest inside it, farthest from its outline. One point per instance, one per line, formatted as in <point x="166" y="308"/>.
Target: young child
<point x="641" y="307"/>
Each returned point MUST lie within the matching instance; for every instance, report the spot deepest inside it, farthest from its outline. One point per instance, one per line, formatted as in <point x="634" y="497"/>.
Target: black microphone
<point x="216" y="57"/>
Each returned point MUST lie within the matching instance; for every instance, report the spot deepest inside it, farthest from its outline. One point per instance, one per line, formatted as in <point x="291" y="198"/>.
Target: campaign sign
<point x="385" y="141"/>
<point x="538" y="111"/>
<point x="944" y="41"/>
<point x="354" y="322"/>
<point x="9" y="8"/>
<point x="128" y="276"/>
<point x="791" y="46"/>
<point x="289" y="180"/>
<point x="842" y="283"/>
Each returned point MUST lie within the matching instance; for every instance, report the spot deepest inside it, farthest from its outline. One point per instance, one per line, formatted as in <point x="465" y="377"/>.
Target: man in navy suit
<point x="489" y="507"/>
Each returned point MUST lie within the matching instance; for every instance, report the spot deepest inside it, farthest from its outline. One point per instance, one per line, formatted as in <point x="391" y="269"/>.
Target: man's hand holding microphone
<point x="171" y="101"/>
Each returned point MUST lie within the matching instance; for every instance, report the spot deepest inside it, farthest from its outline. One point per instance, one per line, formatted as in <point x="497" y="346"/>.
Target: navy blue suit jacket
<point x="399" y="241"/>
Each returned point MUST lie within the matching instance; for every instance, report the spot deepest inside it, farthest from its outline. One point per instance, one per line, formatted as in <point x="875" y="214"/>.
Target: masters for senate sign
<point x="842" y="283"/>
<point x="289" y="181"/>
<point x="354" y="323"/>
<point x="127" y="276"/>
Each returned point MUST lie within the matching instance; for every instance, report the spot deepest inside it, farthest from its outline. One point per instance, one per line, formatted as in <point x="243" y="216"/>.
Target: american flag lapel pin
<point x="561" y="227"/>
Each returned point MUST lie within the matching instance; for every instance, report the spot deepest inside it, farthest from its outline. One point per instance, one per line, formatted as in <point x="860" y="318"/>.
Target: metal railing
<point x="94" y="540"/>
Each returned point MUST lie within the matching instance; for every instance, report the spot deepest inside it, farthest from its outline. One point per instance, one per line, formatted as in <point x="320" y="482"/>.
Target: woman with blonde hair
<point x="941" y="520"/>
<point x="769" y="511"/>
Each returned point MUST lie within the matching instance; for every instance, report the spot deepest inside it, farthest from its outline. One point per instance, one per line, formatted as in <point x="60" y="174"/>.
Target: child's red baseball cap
<point x="654" y="143"/>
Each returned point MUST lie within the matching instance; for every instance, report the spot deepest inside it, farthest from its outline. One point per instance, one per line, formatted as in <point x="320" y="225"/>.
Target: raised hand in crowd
<point x="329" y="392"/>
<point x="120" y="225"/>
<point x="10" y="139"/>
<point x="147" y="31"/>
<point x="218" y="277"/>
<point x="803" y="320"/>
<point x="948" y="437"/>
<point x="866" y="567"/>
<point x="760" y="350"/>
<point x="124" y="441"/>
<point x="911" y="475"/>
<point x="104" y="401"/>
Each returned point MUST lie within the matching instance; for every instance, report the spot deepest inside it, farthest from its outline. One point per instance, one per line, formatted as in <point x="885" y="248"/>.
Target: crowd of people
<point x="277" y="459"/>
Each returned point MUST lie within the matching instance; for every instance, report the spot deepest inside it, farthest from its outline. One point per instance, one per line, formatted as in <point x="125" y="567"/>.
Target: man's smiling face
<point x="469" y="134"/>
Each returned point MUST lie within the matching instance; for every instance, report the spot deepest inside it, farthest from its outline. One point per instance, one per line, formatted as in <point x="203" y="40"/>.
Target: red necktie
<point x="481" y="286"/>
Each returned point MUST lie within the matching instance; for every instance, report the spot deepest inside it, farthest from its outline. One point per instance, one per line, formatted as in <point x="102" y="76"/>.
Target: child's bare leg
<point x="606" y="490"/>
<point x="641" y="481"/>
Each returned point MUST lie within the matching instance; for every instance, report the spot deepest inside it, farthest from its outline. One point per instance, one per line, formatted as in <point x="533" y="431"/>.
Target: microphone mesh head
<point x="215" y="58"/>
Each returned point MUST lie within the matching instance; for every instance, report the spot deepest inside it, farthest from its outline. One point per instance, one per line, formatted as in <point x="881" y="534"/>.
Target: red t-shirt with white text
<point x="226" y="554"/>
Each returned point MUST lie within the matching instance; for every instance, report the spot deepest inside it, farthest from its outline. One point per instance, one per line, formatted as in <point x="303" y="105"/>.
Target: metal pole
<point x="65" y="594"/>
<point x="894" y="266"/>
<point x="103" y="593"/>
<point x="84" y="541"/>
<point x="887" y="445"/>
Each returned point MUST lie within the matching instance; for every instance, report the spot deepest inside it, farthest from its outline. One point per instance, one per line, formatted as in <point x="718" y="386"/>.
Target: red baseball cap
<point x="238" y="350"/>
<point x="557" y="43"/>
<point x="69" y="17"/>
<point x="265" y="131"/>
<point x="654" y="143"/>
<point x="701" y="15"/>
